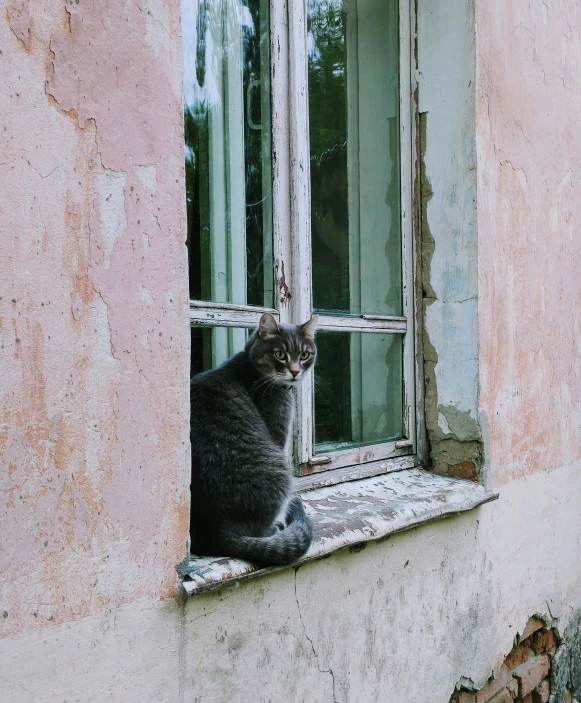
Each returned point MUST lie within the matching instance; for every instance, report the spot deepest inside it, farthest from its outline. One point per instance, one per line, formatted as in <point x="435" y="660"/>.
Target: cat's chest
<point x="276" y="407"/>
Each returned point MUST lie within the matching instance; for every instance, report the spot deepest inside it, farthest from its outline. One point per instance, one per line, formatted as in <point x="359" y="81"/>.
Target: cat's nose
<point x="294" y="372"/>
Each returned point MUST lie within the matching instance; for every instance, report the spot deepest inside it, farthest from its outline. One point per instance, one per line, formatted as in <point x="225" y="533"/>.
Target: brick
<point x="518" y="655"/>
<point x="465" y="469"/>
<point x="464" y="697"/>
<point x="527" y="699"/>
<point x="543" y="641"/>
<point x="501" y="697"/>
<point x="542" y="692"/>
<point x="512" y="688"/>
<point x="567" y="697"/>
<point x="531" y="673"/>
<point x="492" y="686"/>
<point x="532" y="626"/>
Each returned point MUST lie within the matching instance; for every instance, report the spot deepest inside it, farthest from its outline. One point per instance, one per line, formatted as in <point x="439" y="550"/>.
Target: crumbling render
<point x="542" y="667"/>
<point x="456" y="447"/>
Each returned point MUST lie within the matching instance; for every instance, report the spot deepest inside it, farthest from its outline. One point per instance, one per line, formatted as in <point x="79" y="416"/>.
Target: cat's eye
<point x="305" y="355"/>
<point x="280" y="355"/>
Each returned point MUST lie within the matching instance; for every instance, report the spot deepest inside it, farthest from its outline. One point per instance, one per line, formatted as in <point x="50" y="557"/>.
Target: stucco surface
<point x="529" y="221"/>
<point x="94" y="359"/>
<point x="93" y="309"/>
<point x="403" y="617"/>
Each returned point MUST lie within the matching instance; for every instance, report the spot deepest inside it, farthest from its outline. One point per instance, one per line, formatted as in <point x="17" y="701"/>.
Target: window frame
<point x="292" y="260"/>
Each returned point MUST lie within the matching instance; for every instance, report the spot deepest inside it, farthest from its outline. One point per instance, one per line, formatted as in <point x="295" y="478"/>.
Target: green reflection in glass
<point x="211" y="346"/>
<point x="353" y="67"/>
<point x="227" y="150"/>
<point x="358" y="389"/>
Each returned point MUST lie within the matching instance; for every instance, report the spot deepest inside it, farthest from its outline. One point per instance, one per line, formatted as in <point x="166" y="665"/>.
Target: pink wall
<point x="93" y="309"/>
<point x="529" y="221"/>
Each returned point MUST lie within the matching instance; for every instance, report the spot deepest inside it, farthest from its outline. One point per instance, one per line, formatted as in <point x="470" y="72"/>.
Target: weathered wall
<point x="529" y="219"/>
<point x="400" y="621"/>
<point x="447" y="151"/>
<point x="403" y="620"/>
<point x="93" y="309"/>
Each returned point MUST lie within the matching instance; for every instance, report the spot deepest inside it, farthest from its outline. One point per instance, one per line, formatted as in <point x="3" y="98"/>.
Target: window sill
<point x="351" y="514"/>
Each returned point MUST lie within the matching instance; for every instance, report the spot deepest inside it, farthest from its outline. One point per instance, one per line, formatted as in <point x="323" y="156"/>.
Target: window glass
<point x="353" y="70"/>
<point x="227" y="150"/>
<point x="211" y="346"/>
<point x="358" y="389"/>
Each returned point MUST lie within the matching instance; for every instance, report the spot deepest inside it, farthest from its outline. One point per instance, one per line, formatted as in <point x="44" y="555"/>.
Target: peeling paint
<point x="112" y="215"/>
<point x="284" y="292"/>
<point x="354" y="513"/>
<point x="18" y="16"/>
<point x="454" y="434"/>
<point x="93" y="393"/>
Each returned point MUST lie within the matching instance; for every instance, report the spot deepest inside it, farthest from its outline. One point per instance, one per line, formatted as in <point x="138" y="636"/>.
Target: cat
<point x="241" y="415"/>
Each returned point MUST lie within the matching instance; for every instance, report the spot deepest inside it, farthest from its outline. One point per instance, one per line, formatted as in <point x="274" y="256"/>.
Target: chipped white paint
<point x="111" y="210"/>
<point x="148" y="177"/>
<point x="227" y="314"/>
<point x="354" y="513"/>
<point x="145" y="295"/>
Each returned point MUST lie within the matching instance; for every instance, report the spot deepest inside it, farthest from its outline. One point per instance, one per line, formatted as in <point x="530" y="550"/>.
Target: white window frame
<point x="292" y="251"/>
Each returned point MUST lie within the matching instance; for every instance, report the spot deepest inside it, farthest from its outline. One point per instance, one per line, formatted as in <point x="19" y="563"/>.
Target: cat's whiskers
<point x="263" y="383"/>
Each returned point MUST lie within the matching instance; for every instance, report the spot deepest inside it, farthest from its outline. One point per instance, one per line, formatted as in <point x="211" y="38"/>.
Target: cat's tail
<point x="284" y="547"/>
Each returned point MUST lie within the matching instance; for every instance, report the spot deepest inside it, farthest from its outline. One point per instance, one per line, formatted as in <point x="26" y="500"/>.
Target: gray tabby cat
<point x="241" y="417"/>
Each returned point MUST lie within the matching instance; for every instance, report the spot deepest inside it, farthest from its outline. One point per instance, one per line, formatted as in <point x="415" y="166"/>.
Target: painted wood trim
<point x="407" y="211"/>
<point x="356" y="472"/>
<point x="226" y="314"/>
<point x="355" y="456"/>
<point x="300" y="191"/>
<point x="281" y="183"/>
<point x="363" y="323"/>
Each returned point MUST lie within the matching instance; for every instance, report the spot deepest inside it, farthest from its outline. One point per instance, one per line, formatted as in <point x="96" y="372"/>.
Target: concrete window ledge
<point x="354" y="513"/>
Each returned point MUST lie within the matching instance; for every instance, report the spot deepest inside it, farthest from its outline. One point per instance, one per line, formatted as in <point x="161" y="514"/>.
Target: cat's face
<point x="283" y="353"/>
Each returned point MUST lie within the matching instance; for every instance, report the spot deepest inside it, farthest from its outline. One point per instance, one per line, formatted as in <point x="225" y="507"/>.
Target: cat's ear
<point x="309" y="328"/>
<point x="267" y="326"/>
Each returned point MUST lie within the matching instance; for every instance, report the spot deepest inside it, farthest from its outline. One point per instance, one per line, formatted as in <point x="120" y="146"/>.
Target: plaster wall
<point x="93" y="619"/>
<point x="529" y="220"/>
<point x="93" y="309"/>
<point x="403" y="620"/>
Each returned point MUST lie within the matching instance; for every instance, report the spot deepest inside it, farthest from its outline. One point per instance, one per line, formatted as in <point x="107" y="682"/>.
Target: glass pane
<point x="227" y="150"/>
<point x="211" y="346"/>
<point x="358" y="389"/>
<point x="353" y="67"/>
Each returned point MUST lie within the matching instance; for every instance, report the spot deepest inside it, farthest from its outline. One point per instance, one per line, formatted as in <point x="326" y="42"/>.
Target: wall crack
<point x="323" y="671"/>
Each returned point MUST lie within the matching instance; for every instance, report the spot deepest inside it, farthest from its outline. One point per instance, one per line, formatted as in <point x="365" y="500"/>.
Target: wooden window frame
<point x="292" y="261"/>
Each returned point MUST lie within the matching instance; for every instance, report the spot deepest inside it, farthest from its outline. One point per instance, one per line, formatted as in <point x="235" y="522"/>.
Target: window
<point x="299" y="200"/>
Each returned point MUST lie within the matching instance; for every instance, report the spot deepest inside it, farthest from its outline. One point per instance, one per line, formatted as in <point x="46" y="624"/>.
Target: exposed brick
<point x="567" y="698"/>
<point x="531" y="673"/>
<point x="464" y="697"/>
<point x="532" y="626"/>
<point x="492" y="686"/>
<point x="527" y="699"/>
<point x="542" y="692"/>
<point x="518" y="655"/>
<point x="501" y="697"/>
<point x="543" y="641"/>
<point x="465" y="469"/>
<point x="512" y="688"/>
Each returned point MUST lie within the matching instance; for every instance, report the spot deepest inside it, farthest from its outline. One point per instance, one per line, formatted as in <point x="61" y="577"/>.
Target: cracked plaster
<point x="93" y="428"/>
<point x="81" y="574"/>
